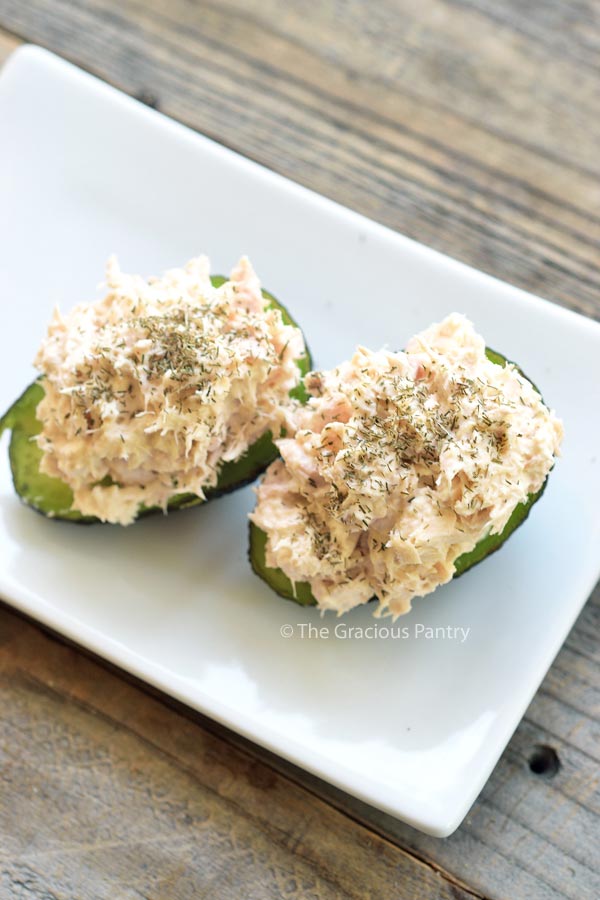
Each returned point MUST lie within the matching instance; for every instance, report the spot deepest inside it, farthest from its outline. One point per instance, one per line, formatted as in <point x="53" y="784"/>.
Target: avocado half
<point x="301" y="593"/>
<point x="54" y="499"/>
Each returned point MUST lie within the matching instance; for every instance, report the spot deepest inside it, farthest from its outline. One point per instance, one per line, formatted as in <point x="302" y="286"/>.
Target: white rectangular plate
<point x="410" y="725"/>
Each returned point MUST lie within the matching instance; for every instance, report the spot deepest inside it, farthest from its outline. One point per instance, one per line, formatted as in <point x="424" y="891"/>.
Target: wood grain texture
<point x="8" y="43"/>
<point x="474" y="127"/>
<point x="108" y="793"/>
<point x="469" y="134"/>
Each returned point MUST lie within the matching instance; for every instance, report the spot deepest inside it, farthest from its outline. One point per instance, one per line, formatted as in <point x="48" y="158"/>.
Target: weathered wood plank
<point x="105" y="792"/>
<point x="8" y="43"/>
<point x="390" y="120"/>
<point x="472" y="126"/>
<point x="528" y="835"/>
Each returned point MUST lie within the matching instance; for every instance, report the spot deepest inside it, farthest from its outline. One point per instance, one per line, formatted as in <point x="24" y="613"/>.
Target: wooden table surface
<point x="473" y="126"/>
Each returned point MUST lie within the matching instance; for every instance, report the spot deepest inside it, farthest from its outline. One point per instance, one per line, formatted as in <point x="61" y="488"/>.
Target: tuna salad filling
<point x="148" y="391"/>
<point x="400" y="463"/>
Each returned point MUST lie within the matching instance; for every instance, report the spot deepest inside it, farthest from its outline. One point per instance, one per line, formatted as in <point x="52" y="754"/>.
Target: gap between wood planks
<point x="25" y="642"/>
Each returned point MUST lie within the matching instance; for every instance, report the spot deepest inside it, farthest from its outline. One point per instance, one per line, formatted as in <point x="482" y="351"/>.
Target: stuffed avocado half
<point x="163" y="333"/>
<point x="405" y="471"/>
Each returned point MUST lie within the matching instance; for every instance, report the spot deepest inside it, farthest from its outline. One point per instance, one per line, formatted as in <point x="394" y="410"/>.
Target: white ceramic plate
<point x="410" y="725"/>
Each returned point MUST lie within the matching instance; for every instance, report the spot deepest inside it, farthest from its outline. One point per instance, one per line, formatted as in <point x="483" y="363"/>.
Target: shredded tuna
<point x="399" y="464"/>
<point x="151" y="389"/>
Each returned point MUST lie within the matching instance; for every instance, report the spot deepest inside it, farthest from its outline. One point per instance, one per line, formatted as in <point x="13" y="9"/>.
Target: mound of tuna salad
<point x="150" y="389"/>
<point x="399" y="464"/>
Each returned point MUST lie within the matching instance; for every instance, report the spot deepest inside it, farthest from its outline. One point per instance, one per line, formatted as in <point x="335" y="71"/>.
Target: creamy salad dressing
<point x="149" y="390"/>
<point x="399" y="464"/>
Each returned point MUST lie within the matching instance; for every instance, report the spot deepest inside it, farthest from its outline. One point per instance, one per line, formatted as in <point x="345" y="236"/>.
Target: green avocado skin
<point x="301" y="593"/>
<point x="54" y="499"/>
